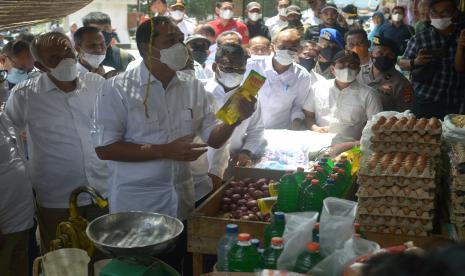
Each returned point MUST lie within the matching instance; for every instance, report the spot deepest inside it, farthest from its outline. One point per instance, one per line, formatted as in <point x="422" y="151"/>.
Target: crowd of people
<point x="79" y="111"/>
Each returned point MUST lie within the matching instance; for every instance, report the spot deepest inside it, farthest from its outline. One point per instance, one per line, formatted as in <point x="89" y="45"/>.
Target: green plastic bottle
<point x="326" y="163"/>
<point x="313" y="197"/>
<point x="343" y="182"/>
<point x="275" y="229"/>
<point x="330" y="188"/>
<point x="288" y="195"/>
<point x="320" y="174"/>
<point x="305" y="184"/>
<point x="307" y="260"/>
<point x="347" y="166"/>
<point x="299" y="176"/>
<point x="329" y="161"/>
<point x="271" y="255"/>
<point x="243" y="256"/>
<point x="359" y="230"/>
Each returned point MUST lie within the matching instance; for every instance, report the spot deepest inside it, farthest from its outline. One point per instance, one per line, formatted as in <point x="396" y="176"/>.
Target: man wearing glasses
<point x="16" y="58"/>
<point x="287" y="83"/>
<point x="437" y="84"/>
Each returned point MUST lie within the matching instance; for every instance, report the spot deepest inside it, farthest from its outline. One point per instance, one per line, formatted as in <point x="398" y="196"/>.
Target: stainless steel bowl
<point x="134" y="233"/>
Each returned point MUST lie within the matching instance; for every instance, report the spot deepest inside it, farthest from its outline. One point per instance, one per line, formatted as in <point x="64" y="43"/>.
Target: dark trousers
<point x="428" y="108"/>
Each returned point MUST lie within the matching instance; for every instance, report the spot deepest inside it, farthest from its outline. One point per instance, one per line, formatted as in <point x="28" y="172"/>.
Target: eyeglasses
<point x="230" y="69"/>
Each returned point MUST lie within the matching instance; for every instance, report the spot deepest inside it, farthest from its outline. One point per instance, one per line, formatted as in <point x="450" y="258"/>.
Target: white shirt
<point x="309" y="18"/>
<point x="16" y="199"/>
<point x="163" y="186"/>
<point x="82" y="70"/>
<point x="186" y="27"/>
<point x="58" y="127"/>
<point x="344" y="111"/>
<point x="283" y="95"/>
<point x="275" y="24"/>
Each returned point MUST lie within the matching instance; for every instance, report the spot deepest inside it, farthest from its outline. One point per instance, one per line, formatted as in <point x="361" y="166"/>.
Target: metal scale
<point x="133" y="239"/>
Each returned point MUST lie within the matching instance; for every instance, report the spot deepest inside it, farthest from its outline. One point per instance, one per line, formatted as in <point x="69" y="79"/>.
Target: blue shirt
<point x="400" y="35"/>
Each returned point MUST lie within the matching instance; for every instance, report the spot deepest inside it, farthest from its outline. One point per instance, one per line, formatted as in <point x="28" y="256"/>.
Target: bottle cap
<point x="278" y="215"/>
<point x="231" y="228"/>
<point x="277" y="241"/>
<point x="324" y="160"/>
<point x="333" y="176"/>
<point x="255" y="242"/>
<point x="335" y="169"/>
<point x="300" y="169"/>
<point x="343" y="157"/>
<point x="317" y="226"/>
<point x="315" y="182"/>
<point x="331" y="181"/>
<point x="341" y="171"/>
<point x="338" y="166"/>
<point x="319" y="169"/>
<point x="243" y="237"/>
<point x="310" y="176"/>
<point x="313" y="246"/>
<point x="357" y="226"/>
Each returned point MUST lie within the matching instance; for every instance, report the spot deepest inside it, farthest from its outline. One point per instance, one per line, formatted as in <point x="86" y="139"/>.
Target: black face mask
<point x="294" y="23"/>
<point x="108" y="37"/>
<point x="329" y="52"/>
<point x="199" y="55"/>
<point x="307" y="63"/>
<point x="383" y="63"/>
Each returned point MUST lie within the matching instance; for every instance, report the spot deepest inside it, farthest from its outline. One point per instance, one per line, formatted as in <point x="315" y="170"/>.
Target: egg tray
<point x="404" y="212"/>
<point x="399" y="164"/>
<point x="387" y="147"/>
<point x="404" y="124"/>
<point x="457" y="199"/>
<point x="406" y="192"/>
<point x="396" y="230"/>
<point x="388" y="181"/>
<point x="424" y="204"/>
<point x="409" y="223"/>
<point x="458" y="153"/>
<point x="406" y="137"/>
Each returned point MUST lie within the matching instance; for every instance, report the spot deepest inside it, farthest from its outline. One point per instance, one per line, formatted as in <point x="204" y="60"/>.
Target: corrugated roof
<point x="19" y="13"/>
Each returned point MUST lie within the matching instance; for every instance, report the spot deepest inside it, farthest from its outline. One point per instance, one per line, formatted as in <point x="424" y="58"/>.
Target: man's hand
<point x="423" y="58"/>
<point x="182" y="149"/>
<point x="461" y="40"/>
<point x="243" y="160"/>
<point x="246" y="108"/>
<point x="216" y="181"/>
<point x="320" y="129"/>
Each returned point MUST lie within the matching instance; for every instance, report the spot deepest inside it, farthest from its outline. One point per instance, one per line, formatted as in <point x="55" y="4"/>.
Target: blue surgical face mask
<point x="16" y="76"/>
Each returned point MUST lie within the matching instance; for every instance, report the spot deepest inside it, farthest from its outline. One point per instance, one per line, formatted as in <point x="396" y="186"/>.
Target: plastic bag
<point x="353" y="248"/>
<point x="452" y="133"/>
<point x="298" y="232"/>
<point x="336" y="224"/>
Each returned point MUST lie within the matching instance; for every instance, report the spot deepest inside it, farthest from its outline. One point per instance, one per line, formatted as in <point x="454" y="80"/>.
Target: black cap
<point x="434" y="2"/>
<point x="351" y="10"/>
<point x="345" y="53"/>
<point x="328" y="6"/>
<point x="386" y="42"/>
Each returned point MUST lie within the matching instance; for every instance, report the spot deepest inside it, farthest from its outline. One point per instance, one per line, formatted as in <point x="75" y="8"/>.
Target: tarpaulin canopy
<point x="19" y="13"/>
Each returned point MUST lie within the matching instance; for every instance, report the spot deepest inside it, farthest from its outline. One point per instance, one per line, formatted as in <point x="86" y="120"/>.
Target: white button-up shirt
<point x="275" y="24"/>
<point x="283" y="95"/>
<point x="82" y="70"/>
<point x="187" y="27"/>
<point x="58" y="127"/>
<point x="247" y="136"/>
<point x="345" y="111"/>
<point x="164" y="186"/>
<point x="16" y="200"/>
<point x="309" y="18"/>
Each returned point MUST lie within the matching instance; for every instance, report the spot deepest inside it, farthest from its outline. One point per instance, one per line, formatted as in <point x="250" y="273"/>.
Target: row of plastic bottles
<point x="306" y="192"/>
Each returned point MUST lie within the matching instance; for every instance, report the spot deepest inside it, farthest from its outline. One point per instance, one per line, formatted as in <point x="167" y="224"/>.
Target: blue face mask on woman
<point x="16" y="76"/>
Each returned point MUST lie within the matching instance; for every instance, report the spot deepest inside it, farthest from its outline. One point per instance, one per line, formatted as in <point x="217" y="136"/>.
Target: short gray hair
<point x="223" y="34"/>
<point x="43" y="41"/>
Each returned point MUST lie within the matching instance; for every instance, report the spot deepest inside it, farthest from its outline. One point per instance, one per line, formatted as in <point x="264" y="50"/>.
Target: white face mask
<point x="177" y="15"/>
<point x="282" y="12"/>
<point x="386" y="16"/>
<point x="175" y="57"/>
<point x="397" y="17"/>
<point x="255" y="16"/>
<point x="349" y="21"/>
<point x="441" y="23"/>
<point x="229" y="80"/>
<point x="66" y="70"/>
<point x="226" y="14"/>
<point x="93" y="60"/>
<point x="285" y="57"/>
<point x="345" y="75"/>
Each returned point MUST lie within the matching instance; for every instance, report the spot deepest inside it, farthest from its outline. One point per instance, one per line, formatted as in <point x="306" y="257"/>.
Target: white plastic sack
<point x="298" y="232"/>
<point x="451" y="133"/>
<point x="336" y="224"/>
<point x="334" y="264"/>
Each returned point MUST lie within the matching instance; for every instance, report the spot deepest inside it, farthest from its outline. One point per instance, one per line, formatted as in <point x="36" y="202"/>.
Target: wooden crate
<point x="204" y="228"/>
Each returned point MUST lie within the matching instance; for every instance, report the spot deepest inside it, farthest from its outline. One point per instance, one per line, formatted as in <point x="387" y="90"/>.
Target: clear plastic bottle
<point x="307" y="260"/>
<point x="275" y="229"/>
<point x="243" y="256"/>
<point x="271" y="255"/>
<point x="288" y="194"/>
<point x="224" y="245"/>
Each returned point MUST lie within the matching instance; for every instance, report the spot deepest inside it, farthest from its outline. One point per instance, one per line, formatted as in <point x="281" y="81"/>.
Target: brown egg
<point x="419" y="212"/>
<point x="382" y="190"/>
<point x="434" y="123"/>
<point x="375" y="126"/>
<point x="413" y="200"/>
<point x="370" y="209"/>
<point x="404" y="230"/>
<point x="381" y="120"/>
<point x="421" y="168"/>
<point x="428" y="138"/>
<point x="395" y="189"/>
<point x="363" y="217"/>
<point x="406" y="210"/>
<point x="421" y="124"/>
<point x="405" y="136"/>
<point x="419" y="191"/>
<point x="392" y="229"/>
<point x="408" y="167"/>
<point x="382" y="209"/>
<point x="389" y="198"/>
<point x="411" y="123"/>
<point x="418" y="231"/>
<point x="395" y="168"/>
<point x="401" y="199"/>
<point x="370" y="190"/>
<point x="424" y="221"/>
<point x="415" y="137"/>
